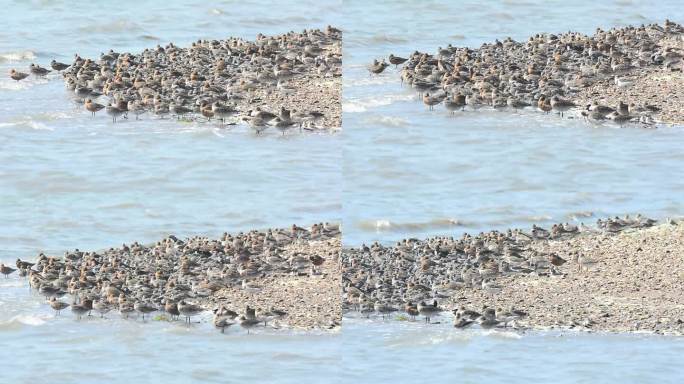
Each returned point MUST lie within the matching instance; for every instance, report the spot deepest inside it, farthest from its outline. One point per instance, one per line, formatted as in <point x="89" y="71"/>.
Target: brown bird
<point x="556" y="260"/>
<point x="172" y="309"/>
<point x="544" y="104"/>
<point x="316" y="260"/>
<point x="92" y="106"/>
<point x="411" y="310"/>
<point x="5" y="270"/>
<point x="18" y="75"/>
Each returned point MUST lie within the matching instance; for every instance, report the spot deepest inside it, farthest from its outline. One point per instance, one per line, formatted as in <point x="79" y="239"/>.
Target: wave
<point x="389" y="226"/>
<point x="362" y="105"/>
<point x="19" y="321"/>
<point x="387" y="121"/>
<point x="17" y="56"/>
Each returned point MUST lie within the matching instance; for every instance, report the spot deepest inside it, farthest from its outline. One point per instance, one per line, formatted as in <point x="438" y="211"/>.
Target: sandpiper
<point x="5" y="270"/>
<point x="171" y="308"/>
<point x="561" y="105"/>
<point x="396" y="60"/>
<point x="223" y="111"/>
<point x="114" y="112"/>
<point x="428" y="310"/>
<point x="431" y="101"/>
<point x="457" y="101"/>
<point x="144" y="308"/>
<point x="411" y="310"/>
<point x="57" y="305"/>
<point x="384" y="309"/>
<point x="15" y="75"/>
<point x="102" y="307"/>
<point x="377" y="67"/>
<point x="222" y="321"/>
<point x="248" y="323"/>
<point x="57" y="66"/>
<point x="544" y="105"/>
<point x="178" y="110"/>
<point x="93" y="107"/>
<point x="188" y="310"/>
<point x="78" y="309"/>
<point x="38" y="70"/>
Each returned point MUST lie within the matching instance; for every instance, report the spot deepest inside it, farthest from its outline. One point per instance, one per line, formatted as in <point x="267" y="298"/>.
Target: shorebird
<point x="38" y="70"/>
<point x="188" y="310"/>
<point x="556" y="260"/>
<point x="57" y="66"/>
<point x="113" y="111"/>
<point x="102" y="307"/>
<point x="396" y="60"/>
<point x="93" y="107"/>
<point x="144" y="308"/>
<point x="5" y="270"/>
<point x="178" y="110"/>
<point x="411" y="310"/>
<point x="79" y="309"/>
<point x="428" y="310"/>
<point x="125" y="308"/>
<point x="222" y="111"/>
<point x="248" y="323"/>
<point x="488" y="319"/>
<point x="57" y="305"/>
<point x="49" y="291"/>
<point x="316" y="261"/>
<point x="377" y="67"/>
<point x="544" y="105"/>
<point x="136" y="107"/>
<point x="383" y="309"/>
<point x="462" y="322"/>
<point x="15" y="75"/>
<point x="222" y="321"/>
<point x="456" y="102"/>
<point x="431" y="101"/>
<point x="171" y="308"/>
<point x="561" y="105"/>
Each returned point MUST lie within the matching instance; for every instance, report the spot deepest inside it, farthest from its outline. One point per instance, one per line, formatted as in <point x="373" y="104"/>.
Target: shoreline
<point x="287" y="81"/>
<point x="294" y="270"/>
<point x="625" y="75"/>
<point x="630" y="281"/>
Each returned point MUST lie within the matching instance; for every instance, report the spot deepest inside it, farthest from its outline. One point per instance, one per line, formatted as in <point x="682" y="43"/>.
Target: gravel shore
<point x="631" y="279"/>
<point x="289" y="276"/>
<point x="311" y="301"/>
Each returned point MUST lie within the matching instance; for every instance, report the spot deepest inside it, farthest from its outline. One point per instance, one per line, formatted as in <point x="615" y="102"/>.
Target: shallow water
<point x="114" y="350"/>
<point x="72" y="181"/>
<point x="410" y="172"/>
<point x="405" y="351"/>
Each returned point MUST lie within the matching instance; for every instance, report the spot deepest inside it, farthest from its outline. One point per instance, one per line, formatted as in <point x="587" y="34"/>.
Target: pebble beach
<point x="620" y="276"/>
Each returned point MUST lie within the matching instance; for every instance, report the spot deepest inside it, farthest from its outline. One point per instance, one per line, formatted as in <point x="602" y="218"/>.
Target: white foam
<point x="17" y="56"/>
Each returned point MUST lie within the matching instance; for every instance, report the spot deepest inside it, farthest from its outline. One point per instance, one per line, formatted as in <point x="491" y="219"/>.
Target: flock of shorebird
<point x="386" y="279"/>
<point x="488" y="318"/>
<point x="548" y="71"/>
<point x="176" y="277"/>
<point x="220" y="79"/>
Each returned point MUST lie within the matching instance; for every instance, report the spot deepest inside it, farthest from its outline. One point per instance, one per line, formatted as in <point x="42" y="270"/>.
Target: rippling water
<point x="68" y="180"/>
<point x="401" y="351"/>
<point x="412" y="172"/>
